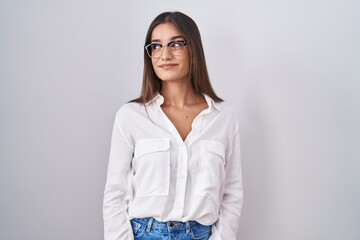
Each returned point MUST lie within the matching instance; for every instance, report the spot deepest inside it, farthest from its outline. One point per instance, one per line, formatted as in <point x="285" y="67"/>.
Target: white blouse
<point x="152" y="172"/>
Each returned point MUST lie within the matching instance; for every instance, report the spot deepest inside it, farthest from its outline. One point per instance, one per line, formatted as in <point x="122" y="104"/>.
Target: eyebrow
<point x="171" y="39"/>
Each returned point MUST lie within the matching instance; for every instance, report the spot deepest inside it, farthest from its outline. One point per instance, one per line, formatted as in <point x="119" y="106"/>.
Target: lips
<point x="167" y="66"/>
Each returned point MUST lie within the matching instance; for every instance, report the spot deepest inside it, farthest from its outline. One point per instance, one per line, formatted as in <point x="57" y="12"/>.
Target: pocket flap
<point x="214" y="147"/>
<point x="145" y="146"/>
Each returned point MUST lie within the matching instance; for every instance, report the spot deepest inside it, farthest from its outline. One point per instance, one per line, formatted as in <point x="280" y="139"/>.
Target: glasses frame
<point x="162" y="47"/>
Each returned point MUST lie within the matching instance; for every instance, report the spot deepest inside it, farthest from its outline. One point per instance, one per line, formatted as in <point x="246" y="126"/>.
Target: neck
<point x="178" y="94"/>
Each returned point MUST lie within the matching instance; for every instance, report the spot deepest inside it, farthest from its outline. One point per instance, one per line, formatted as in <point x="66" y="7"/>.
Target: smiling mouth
<point x="167" y="66"/>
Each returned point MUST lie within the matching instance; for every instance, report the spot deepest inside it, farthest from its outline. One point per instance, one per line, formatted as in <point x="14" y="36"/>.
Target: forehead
<point x="165" y="32"/>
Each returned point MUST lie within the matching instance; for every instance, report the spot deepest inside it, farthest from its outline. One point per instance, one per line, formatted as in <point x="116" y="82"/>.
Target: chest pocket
<point x="211" y="170"/>
<point x="152" y="167"/>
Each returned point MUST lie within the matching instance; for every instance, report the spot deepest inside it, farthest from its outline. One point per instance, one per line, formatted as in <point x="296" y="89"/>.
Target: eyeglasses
<point x="154" y="50"/>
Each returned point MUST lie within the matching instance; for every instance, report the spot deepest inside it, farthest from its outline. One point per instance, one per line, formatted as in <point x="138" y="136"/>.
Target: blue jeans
<point x="151" y="229"/>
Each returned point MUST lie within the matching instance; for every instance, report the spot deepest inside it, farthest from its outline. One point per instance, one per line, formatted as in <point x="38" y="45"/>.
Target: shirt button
<point x="178" y="206"/>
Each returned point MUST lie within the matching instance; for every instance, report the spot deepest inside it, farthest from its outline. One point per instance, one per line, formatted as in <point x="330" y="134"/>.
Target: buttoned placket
<point x="182" y="160"/>
<point x="182" y="166"/>
<point x="181" y="180"/>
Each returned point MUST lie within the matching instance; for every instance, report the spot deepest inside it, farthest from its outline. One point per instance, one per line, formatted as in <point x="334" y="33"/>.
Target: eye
<point x="155" y="47"/>
<point x="177" y="44"/>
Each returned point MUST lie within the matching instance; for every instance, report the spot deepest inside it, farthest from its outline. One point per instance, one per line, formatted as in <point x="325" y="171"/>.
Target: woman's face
<point x="170" y="66"/>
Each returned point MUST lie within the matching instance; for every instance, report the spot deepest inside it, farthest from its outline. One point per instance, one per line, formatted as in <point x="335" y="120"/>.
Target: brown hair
<point x="198" y="74"/>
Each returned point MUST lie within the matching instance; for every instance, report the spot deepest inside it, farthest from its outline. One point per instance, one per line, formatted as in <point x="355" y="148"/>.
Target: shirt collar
<point x="211" y="102"/>
<point x="159" y="99"/>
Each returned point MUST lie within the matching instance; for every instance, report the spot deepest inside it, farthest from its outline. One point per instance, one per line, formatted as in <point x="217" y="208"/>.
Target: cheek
<point x="153" y="63"/>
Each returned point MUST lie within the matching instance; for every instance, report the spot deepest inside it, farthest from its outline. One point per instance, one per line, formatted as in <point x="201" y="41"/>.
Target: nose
<point x="166" y="53"/>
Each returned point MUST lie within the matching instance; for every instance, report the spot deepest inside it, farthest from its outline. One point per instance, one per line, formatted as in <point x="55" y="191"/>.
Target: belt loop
<point x="149" y="224"/>
<point x="187" y="227"/>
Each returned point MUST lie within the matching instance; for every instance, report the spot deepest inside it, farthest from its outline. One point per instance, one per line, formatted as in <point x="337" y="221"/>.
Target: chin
<point x="172" y="77"/>
<point x="167" y="77"/>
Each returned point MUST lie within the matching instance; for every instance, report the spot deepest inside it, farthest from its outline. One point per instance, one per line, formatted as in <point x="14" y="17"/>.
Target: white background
<point x="290" y="68"/>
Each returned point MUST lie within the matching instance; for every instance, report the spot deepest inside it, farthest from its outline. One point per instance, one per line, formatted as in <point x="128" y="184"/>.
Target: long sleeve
<point x="230" y="210"/>
<point x="118" y="190"/>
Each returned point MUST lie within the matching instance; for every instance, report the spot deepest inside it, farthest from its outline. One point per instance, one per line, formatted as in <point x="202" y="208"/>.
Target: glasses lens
<point x="154" y="50"/>
<point x="177" y="47"/>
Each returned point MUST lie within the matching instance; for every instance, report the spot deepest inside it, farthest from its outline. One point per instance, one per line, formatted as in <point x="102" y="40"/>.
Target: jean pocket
<point x="137" y="228"/>
<point x="200" y="232"/>
<point x="211" y="170"/>
<point x="151" y="167"/>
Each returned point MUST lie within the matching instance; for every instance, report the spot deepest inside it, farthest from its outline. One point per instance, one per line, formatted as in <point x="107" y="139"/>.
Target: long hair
<point x="198" y="73"/>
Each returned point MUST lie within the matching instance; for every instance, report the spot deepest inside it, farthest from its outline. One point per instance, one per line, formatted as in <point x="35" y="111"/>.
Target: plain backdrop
<point x="291" y="69"/>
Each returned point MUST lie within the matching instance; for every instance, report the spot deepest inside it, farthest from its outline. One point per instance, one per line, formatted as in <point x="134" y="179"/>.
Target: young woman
<point x="174" y="170"/>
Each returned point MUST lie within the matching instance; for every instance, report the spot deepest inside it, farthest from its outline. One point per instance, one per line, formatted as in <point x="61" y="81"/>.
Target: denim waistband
<point x="173" y="225"/>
